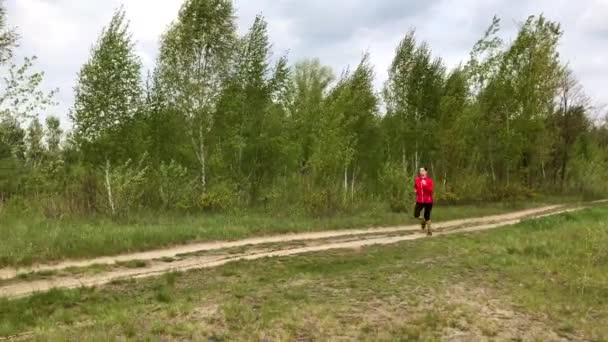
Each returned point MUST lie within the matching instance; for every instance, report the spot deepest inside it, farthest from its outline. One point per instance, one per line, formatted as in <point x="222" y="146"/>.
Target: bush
<point x="272" y="196"/>
<point x="446" y="194"/>
<point x="470" y="187"/>
<point x="176" y="189"/>
<point x="511" y="192"/>
<point x="398" y="188"/>
<point x="57" y="197"/>
<point x="124" y="186"/>
<point x="12" y="175"/>
<point x="58" y="206"/>
<point x="322" y="202"/>
<point x="219" y="197"/>
<point x="588" y="173"/>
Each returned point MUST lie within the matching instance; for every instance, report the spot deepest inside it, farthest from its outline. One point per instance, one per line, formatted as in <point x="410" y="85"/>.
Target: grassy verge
<point x="28" y="239"/>
<point x="540" y="280"/>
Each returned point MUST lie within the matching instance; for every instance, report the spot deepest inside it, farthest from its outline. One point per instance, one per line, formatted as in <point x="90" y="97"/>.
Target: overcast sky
<point x="61" y="32"/>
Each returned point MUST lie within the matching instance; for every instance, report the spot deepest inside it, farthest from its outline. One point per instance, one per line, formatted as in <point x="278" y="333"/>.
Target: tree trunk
<point x="199" y="151"/>
<point x="403" y="160"/>
<point x="542" y="169"/>
<point x="203" y="161"/>
<point x="416" y="158"/>
<point x="109" y="188"/>
<point x="352" y="187"/>
<point x="492" y="171"/>
<point x="345" y="182"/>
<point x="566" y="137"/>
<point x="563" y="167"/>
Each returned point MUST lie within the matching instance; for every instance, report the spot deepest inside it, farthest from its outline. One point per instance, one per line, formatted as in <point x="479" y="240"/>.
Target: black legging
<point x="428" y="207"/>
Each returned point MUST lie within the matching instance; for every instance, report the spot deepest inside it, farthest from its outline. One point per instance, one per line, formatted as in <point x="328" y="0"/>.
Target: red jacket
<point x="424" y="190"/>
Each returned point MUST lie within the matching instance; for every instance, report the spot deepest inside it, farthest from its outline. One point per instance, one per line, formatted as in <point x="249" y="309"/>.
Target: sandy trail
<point x="9" y="273"/>
<point x="313" y="242"/>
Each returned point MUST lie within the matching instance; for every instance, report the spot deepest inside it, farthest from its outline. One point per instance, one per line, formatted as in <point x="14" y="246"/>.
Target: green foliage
<point x="346" y="139"/>
<point x="512" y="192"/>
<point x="175" y="187"/>
<point x="398" y="188"/>
<point x="35" y="135"/>
<point x="193" y="63"/>
<point x="108" y="92"/>
<point x="310" y="85"/>
<point x="220" y="197"/>
<point x="589" y="168"/>
<point x="53" y="134"/>
<point x="124" y="186"/>
<point x="8" y="37"/>
<point x="12" y="155"/>
<point x="225" y="124"/>
<point x="12" y="144"/>
<point x="413" y="96"/>
<point x="322" y="202"/>
<point x="250" y="115"/>
<point x="20" y="96"/>
<point x="20" y="100"/>
<point x="518" y="96"/>
<point x="471" y="187"/>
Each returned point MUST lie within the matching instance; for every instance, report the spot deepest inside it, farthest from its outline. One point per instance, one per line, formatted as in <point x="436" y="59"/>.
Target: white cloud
<point x="61" y="32"/>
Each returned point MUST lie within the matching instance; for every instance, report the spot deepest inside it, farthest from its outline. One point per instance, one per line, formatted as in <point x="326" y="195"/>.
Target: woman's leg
<point x="417" y="209"/>
<point x="428" y="208"/>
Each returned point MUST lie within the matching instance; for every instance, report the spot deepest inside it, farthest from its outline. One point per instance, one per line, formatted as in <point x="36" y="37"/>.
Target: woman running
<point x="424" y="200"/>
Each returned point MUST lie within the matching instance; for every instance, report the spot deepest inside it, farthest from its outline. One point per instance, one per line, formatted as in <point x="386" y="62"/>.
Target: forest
<point x="222" y="124"/>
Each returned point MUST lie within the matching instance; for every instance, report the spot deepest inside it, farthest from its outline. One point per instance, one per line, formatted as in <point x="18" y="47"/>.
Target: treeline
<point x="221" y="123"/>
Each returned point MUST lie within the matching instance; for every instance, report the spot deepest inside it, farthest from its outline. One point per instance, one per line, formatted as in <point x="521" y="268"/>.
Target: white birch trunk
<point x="109" y="188"/>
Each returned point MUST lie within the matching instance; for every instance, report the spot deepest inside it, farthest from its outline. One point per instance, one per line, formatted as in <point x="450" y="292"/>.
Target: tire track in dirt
<point x="329" y="241"/>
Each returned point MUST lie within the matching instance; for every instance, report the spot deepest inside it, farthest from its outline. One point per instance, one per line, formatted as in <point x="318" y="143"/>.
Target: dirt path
<point x="8" y="273"/>
<point x="189" y="257"/>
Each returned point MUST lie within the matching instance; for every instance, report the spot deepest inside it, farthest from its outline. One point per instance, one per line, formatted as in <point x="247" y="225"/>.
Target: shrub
<point x="220" y="196"/>
<point x="176" y="189"/>
<point x="470" y="187"/>
<point x="124" y="186"/>
<point x="446" y="194"/>
<point x="322" y="201"/>
<point x="511" y="192"/>
<point x="398" y="188"/>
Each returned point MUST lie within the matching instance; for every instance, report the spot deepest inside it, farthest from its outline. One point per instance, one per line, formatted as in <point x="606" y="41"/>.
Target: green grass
<point x="538" y="280"/>
<point x="29" y="238"/>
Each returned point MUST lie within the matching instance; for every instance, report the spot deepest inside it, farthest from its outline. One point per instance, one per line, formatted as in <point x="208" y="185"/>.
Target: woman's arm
<point x="430" y="187"/>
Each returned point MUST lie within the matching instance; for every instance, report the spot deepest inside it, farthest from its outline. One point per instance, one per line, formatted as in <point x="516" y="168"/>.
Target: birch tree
<point x="413" y="94"/>
<point x="108" y="93"/>
<point x="192" y="65"/>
